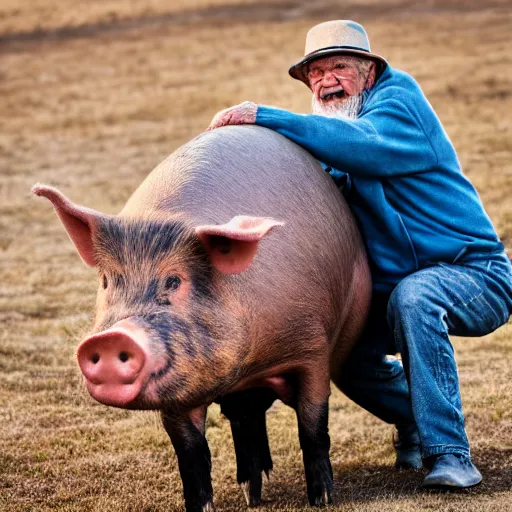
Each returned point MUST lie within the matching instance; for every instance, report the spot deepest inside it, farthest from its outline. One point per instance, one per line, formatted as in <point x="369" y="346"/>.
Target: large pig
<point x="235" y="273"/>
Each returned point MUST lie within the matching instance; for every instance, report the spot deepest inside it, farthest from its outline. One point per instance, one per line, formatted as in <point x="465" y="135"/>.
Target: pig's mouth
<point x="158" y="374"/>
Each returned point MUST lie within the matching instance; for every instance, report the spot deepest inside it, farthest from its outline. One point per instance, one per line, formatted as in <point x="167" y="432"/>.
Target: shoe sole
<point x="449" y="486"/>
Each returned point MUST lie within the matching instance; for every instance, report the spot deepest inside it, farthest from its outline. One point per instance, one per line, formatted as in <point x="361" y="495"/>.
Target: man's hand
<point x="245" y="113"/>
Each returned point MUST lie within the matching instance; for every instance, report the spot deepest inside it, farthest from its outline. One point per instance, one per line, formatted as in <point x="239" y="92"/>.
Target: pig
<point x="234" y="274"/>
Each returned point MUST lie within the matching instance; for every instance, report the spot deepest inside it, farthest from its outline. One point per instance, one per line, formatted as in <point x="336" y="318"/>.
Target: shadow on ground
<point x="371" y="483"/>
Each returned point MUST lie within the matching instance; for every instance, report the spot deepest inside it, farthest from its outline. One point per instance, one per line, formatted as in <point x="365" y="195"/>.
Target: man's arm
<point x="388" y="141"/>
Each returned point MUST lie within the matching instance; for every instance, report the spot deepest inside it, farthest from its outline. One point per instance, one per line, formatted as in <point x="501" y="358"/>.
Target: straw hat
<point x="338" y="37"/>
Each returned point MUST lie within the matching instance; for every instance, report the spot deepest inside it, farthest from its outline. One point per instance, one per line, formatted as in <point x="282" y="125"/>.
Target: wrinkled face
<point x="337" y="83"/>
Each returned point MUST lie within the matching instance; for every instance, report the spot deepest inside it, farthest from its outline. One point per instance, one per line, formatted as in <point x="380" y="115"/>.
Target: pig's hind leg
<point x="246" y="412"/>
<point x="312" y="407"/>
<point x="194" y="459"/>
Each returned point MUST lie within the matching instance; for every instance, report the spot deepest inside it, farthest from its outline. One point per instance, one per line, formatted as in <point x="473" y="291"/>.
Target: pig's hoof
<point x="208" y="507"/>
<point x="324" y="499"/>
<point x="252" y="498"/>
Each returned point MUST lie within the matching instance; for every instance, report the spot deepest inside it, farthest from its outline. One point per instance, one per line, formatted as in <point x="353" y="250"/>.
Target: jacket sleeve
<point x="387" y="141"/>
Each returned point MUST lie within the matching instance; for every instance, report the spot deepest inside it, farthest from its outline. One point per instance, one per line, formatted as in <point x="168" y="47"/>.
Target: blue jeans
<point x="470" y="298"/>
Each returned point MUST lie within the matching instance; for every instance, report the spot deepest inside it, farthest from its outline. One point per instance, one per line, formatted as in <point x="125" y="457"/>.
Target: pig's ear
<point x="80" y="223"/>
<point x="232" y="246"/>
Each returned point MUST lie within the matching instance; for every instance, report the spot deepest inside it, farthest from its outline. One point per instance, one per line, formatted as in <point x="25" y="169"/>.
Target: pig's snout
<point x="114" y="364"/>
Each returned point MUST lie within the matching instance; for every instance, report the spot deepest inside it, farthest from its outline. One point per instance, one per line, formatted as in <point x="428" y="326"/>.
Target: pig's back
<point x="242" y="170"/>
<point x="305" y="268"/>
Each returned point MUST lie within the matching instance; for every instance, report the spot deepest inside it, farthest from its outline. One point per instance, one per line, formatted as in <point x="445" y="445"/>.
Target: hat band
<point x="358" y="48"/>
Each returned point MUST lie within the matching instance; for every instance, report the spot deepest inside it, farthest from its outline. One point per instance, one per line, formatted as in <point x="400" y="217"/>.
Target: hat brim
<point x="297" y="70"/>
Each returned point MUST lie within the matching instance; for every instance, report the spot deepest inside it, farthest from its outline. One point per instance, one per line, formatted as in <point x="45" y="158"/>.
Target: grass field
<point x="92" y="96"/>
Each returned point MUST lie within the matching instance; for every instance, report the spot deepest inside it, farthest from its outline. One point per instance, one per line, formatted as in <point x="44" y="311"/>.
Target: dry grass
<point x="44" y="15"/>
<point x="91" y="103"/>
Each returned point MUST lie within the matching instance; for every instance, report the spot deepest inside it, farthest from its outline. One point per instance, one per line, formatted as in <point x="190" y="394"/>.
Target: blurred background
<point x="93" y="95"/>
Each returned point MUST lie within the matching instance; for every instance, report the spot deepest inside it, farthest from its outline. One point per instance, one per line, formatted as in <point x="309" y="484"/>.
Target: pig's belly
<point x="280" y="383"/>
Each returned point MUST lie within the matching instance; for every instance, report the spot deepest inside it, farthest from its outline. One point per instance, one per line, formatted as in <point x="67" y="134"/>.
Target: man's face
<point x="337" y="83"/>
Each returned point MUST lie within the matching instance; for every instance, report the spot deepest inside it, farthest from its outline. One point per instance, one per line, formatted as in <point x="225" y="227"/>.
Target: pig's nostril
<point x="123" y="356"/>
<point x="95" y="358"/>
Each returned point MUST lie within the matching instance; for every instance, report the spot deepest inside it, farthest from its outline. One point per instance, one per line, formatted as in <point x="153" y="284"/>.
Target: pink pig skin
<point x="235" y="270"/>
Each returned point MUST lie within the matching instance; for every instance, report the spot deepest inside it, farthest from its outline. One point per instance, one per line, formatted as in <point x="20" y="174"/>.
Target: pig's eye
<point x="105" y="281"/>
<point x="172" y="283"/>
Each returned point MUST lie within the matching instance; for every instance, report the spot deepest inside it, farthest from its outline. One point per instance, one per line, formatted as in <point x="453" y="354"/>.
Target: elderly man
<point x="438" y="267"/>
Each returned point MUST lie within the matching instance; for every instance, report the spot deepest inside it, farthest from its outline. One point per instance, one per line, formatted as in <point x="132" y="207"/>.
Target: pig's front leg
<point x="194" y="459"/>
<point x="312" y="409"/>
<point x="246" y="411"/>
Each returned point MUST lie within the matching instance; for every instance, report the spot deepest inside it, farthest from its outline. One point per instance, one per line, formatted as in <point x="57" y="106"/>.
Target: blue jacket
<point x="413" y="204"/>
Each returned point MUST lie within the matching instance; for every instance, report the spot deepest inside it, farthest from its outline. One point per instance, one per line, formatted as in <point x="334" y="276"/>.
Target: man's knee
<point x="415" y="299"/>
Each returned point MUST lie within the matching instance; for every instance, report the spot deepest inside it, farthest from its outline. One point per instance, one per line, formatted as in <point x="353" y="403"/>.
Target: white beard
<point x="348" y="110"/>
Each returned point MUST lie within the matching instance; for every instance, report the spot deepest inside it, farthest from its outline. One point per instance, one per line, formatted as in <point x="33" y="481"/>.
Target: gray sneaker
<point x="452" y="471"/>
<point x="407" y="447"/>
